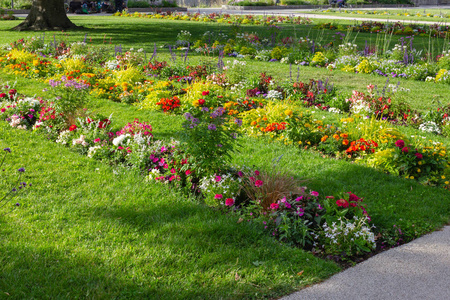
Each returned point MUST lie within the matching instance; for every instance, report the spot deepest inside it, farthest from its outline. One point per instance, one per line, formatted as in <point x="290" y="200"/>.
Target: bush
<point x="138" y="4"/>
<point x="250" y="3"/>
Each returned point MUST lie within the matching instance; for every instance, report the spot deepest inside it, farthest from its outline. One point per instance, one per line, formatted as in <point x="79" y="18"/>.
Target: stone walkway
<point x="417" y="270"/>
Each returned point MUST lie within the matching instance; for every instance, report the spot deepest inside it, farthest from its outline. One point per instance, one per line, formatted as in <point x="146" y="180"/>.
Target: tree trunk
<point x="47" y="15"/>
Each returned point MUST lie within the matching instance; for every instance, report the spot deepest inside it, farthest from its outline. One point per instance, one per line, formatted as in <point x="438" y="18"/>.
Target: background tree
<point x="47" y="15"/>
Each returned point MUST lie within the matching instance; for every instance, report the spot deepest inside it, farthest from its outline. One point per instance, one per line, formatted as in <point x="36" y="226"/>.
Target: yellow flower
<point x="443" y="177"/>
<point x="447" y="182"/>
<point x="288" y="112"/>
<point x="412" y="177"/>
<point x="195" y="103"/>
<point x="418" y="171"/>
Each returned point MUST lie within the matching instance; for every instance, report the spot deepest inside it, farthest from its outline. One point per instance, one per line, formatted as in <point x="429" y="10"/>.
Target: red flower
<point x="419" y="155"/>
<point x="229" y="202"/>
<point x="405" y="149"/>
<point x="218" y="196"/>
<point x="353" y="197"/>
<point x="3" y="95"/>
<point x="342" y="203"/>
<point x="400" y="144"/>
<point x="201" y="101"/>
<point x="72" y="127"/>
<point x="188" y="172"/>
<point x="205" y="93"/>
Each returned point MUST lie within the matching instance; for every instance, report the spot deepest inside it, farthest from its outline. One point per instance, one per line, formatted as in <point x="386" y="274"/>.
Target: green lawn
<point x="88" y="230"/>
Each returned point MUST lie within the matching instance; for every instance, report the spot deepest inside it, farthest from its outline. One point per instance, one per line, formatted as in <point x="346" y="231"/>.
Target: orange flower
<point x="345" y="142"/>
<point x="324" y="138"/>
<point x="336" y="137"/>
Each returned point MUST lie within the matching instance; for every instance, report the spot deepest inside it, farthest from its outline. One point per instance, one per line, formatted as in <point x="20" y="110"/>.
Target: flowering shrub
<point x="209" y="137"/>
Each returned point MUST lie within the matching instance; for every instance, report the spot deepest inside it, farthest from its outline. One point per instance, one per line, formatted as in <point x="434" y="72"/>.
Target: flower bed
<point x="263" y="106"/>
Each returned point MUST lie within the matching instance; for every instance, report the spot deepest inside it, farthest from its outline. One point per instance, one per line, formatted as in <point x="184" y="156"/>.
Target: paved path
<point x="301" y="12"/>
<point x="417" y="270"/>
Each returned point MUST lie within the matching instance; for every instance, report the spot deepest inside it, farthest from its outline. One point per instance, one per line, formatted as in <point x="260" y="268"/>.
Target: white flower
<point x="118" y="140"/>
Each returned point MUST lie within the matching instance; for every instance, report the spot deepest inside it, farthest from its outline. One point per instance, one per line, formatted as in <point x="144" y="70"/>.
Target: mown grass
<point x="88" y="230"/>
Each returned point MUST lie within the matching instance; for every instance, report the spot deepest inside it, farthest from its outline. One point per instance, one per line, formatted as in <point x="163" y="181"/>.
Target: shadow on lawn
<point x="43" y="273"/>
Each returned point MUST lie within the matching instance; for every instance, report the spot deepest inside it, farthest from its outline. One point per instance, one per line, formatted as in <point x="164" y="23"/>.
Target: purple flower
<point x="238" y="122"/>
<point x="21" y="170"/>
<point x="219" y="145"/>
<point x="7" y="150"/>
<point x="204" y="108"/>
<point x="212" y="127"/>
<point x="187" y="116"/>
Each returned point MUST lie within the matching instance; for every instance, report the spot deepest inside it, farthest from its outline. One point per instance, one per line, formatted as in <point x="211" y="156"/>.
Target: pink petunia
<point x="314" y="193"/>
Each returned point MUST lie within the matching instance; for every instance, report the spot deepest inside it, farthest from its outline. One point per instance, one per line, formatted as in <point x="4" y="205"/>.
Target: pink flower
<point x="229" y="202"/>
<point x="173" y="171"/>
<point x="314" y="193"/>
<point x="257" y="173"/>
<point x="188" y="172"/>
<point x="97" y="140"/>
<point x="274" y="206"/>
<point x="240" y="174"/>
<point x="218" y="178"/>
<point x="400" y="143"/>
<point x="419" y="155"/>
<point x="218" y="196"/>
<point x="252" y="179"/>
<point x="405" y="150"/>
<point x="329" y="197"/>
<point x="3" y="110"/>
<point x="287" y="205"/>
<point x="258" y="183"/>
<point x="120" y="148"/>
<point x="299" y="198"/>
<point x="300" y="212"/>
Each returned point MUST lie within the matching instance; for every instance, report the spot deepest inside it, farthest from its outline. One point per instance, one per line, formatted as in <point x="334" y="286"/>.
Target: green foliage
<point x="209" y="139"/>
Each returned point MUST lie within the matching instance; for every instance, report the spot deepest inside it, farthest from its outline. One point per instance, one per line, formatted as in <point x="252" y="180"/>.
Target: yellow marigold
<point x="288" y="112"/>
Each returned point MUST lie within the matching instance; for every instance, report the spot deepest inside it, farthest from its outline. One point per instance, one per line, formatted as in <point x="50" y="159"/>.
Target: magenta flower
<point x="229" y="202"/>
<point x="97" y="140"/>
<point x="299" y="198"/>
<point x="274" y="206"/>
<point x="218" y="196"/>
<point x="257" y="173"/>
<point x="300" y="212"/>
<point x="240" y="174"/>
<point x="258" y="183"/>
<point x="419" y="155"/>
<point x="400" y="143"/>
<point x="314" y="193"/>
<point x="218" y="178"/>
